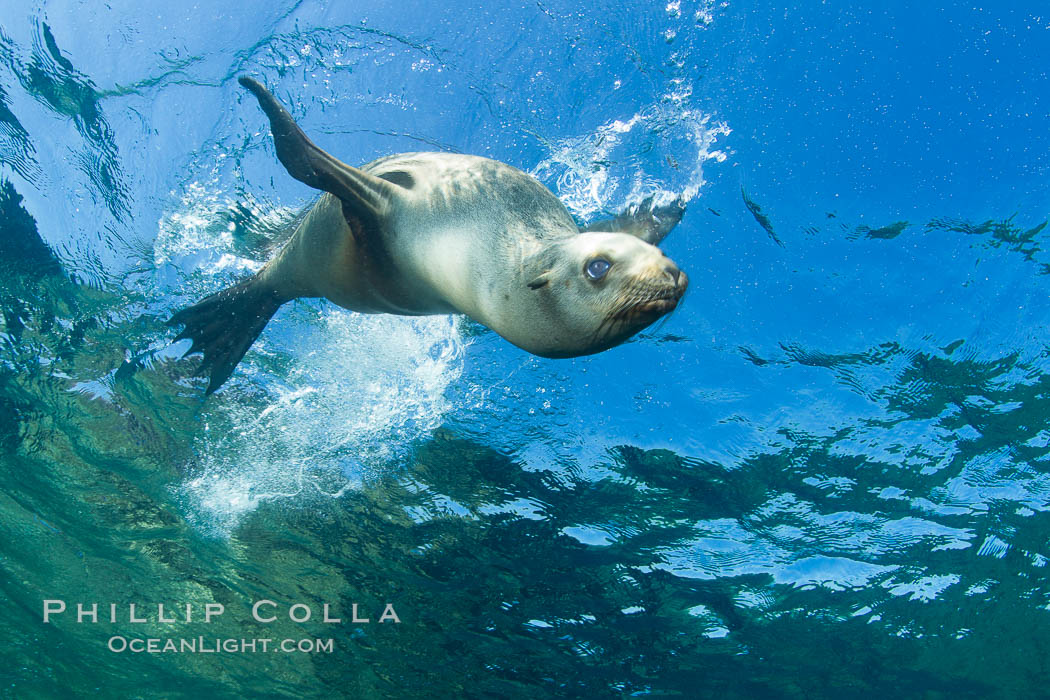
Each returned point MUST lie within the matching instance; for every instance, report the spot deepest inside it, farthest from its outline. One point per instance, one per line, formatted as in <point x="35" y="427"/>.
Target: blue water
<point x="825" y="475"/>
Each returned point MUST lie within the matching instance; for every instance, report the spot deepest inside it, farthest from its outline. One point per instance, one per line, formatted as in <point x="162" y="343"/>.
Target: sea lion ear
<point x="645" y="220"/>
<point x="537" y="267"/>
<point x="540" y="281"/>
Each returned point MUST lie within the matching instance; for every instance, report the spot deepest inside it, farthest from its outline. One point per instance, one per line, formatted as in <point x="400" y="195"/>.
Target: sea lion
<point x="438" y="233"/>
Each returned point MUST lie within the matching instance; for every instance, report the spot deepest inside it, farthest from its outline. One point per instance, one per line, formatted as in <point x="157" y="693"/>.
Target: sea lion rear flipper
<point x="644" y="220"/>
<point x="224" y="325"/>
<point x="362" y="194"/>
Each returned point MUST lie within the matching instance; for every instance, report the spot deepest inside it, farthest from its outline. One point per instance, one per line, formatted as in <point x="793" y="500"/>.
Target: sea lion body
<point x="436" y="233"/>
<point x="451" y="243"/>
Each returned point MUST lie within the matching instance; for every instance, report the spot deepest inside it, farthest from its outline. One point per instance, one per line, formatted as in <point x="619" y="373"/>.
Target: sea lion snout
<point x="665" y="287"/>
<point x="679" y="280"/>
<point x="664" y="273"/>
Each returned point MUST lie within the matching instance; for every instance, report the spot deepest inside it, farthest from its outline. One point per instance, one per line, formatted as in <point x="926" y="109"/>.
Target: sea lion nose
<point x="674" y="272"/>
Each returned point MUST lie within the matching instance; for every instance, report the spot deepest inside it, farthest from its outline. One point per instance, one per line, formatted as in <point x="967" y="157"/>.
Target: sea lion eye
<point x="597" y="268"/>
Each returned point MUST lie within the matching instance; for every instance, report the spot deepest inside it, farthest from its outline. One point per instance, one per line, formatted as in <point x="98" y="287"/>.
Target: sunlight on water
<point x="213" y="231"/>
<point x="362" y="391"/>
<point x="586" y="170"/>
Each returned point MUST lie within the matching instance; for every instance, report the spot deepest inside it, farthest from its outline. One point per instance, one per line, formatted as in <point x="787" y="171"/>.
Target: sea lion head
<point x="592" y="291"/>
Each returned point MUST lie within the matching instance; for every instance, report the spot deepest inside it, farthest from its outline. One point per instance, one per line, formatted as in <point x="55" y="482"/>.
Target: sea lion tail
<point x="224" y="325"/>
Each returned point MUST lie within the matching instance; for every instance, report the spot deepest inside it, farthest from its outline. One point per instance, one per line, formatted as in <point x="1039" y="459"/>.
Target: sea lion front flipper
<point x="644" y="220"/>
<point x="362" y="194"/>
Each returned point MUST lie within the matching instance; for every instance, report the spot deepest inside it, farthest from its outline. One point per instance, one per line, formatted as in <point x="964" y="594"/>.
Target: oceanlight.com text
<point x="214" y="645"/>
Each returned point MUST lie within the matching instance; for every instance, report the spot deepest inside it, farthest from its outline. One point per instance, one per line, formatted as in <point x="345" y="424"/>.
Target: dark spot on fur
<point x="399" y="177"/>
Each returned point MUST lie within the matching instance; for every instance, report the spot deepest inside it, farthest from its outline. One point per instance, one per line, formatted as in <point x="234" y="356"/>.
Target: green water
<point x="494" y="600"/>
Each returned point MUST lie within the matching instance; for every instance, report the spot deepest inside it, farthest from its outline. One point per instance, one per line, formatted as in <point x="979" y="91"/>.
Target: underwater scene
<point x="825" y="474"/>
